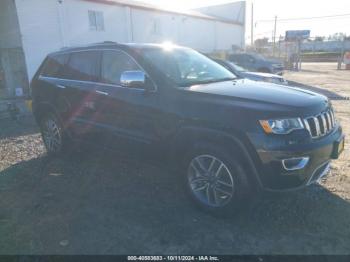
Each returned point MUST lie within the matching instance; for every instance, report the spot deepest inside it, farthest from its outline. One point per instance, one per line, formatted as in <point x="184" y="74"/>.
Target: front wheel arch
<point x="229" y="191"/>
<point x="188" y="137"/>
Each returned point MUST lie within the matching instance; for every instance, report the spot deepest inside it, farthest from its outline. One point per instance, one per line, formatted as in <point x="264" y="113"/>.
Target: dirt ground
<point x="101" y="203"/>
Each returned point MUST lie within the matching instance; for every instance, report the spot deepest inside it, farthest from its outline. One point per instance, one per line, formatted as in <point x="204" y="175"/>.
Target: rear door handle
<point x="61" y="86"/>
<point x="102" y="93"/>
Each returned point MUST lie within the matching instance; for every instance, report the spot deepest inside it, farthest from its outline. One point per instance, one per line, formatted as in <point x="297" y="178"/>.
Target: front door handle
<point x="102" y="93"/>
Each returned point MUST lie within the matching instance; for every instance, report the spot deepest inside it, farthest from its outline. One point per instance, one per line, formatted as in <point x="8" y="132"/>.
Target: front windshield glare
<point x="238" y="68"/>
<point x="187" y="67"/>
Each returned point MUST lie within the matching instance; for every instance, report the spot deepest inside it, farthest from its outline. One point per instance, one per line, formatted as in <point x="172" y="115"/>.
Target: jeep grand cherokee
<point x="229" y="137"/>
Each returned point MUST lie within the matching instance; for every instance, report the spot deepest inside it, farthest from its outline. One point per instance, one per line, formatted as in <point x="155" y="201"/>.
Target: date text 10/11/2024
<point x="173" y="258"/>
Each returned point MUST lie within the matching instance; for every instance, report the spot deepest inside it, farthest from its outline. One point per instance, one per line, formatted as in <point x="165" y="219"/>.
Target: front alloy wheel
<point x="210" y="181"/>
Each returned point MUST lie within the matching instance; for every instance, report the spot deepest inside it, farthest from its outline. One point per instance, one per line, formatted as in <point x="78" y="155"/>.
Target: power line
<point x="306" y="18"/>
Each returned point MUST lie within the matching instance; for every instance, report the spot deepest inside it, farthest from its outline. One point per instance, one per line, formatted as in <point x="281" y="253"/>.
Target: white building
<point x="30" y="29"/>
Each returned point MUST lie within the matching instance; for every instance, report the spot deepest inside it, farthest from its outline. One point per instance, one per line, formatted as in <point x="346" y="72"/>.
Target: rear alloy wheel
<point x="210" y="181"/>
<point x="52" y="135"/>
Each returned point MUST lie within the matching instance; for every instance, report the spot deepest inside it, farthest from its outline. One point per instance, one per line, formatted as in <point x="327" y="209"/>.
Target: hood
<point x="260" y="75"/>
<point x="249" y="90"/>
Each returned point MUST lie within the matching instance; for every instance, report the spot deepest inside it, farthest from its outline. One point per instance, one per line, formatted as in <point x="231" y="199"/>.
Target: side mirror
<point x="133" y="79"/>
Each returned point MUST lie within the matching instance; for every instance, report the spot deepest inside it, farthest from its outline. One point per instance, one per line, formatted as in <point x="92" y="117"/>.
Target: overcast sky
<point x="284" y="9"/>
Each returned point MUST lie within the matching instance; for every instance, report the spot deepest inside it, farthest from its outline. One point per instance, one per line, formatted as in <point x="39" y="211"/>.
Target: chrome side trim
<point x="105" y="49"/>
<point x="102" y="93"/>
<point x="88" y="82"/>
<point x="61" y="86"/>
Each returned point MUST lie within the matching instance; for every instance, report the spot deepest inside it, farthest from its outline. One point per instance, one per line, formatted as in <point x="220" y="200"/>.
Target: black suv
<point x="229" y="137"/>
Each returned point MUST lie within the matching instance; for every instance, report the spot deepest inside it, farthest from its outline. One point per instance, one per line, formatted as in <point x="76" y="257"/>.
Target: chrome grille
<point x="320" y="125"/>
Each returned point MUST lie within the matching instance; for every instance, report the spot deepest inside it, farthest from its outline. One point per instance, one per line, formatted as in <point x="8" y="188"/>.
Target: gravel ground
<point x="98" y="202"/>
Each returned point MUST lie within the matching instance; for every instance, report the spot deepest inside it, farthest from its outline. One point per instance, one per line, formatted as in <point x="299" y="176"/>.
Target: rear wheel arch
<point x="42" y="109"/>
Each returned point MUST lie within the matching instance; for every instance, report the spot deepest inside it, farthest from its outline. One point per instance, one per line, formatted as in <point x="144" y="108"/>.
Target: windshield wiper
<point x="216" y="80"/>
<point x="208" y="81"/>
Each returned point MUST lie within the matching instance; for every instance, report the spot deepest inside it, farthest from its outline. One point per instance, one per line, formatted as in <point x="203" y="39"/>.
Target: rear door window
<point x="114" y="63"/>
<point x="82" y="66"/>
<point x="54" y="66"/>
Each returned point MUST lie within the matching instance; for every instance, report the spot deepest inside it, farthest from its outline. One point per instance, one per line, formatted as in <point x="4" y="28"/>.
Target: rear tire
<point x="215" y="180"/>
<point x="56" y="141"/>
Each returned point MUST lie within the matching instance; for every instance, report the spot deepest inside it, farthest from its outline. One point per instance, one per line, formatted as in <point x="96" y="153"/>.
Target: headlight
<point x="281" y="126"/>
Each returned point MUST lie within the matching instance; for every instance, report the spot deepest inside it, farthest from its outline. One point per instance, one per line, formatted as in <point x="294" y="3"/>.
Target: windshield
<point x="237" y="68"/>
<point x="187" y="67"/>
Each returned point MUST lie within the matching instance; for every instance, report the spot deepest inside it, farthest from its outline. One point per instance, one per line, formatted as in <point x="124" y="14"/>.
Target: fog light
<point x="295" y="163"/>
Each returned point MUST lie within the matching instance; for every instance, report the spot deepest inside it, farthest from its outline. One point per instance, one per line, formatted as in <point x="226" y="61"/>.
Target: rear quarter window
<point x="54" y="65"/>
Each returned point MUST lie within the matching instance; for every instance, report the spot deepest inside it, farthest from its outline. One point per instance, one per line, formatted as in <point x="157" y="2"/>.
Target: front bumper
<point x="273" y="173"/>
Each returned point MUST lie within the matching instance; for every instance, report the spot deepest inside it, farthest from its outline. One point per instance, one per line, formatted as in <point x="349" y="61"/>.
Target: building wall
<point x="48" y="25"/>
<point x="228" y="36"/>
<point x="40" y="25"/>
<point x="77" y="31"/>
<point x="9" y="29"/>
<point x="13" y="73"/>
<point x="231" y="11"/>
<point x="199" y="33"/>
<point x="156" y="27"/>
<point x="235" y="12"/>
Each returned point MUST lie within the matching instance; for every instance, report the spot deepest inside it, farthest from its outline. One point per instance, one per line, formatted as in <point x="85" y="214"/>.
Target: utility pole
<point x="274" y="36"/>
<point x="61" y="19"/>
<point x="252" y="26"/>
<point x="342" y="51"/>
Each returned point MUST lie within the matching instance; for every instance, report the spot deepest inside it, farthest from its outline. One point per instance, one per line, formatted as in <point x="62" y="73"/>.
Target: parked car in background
<point x="228" y="138"/>
<point x="257" y="63"/>
<point x="256" y="76"/>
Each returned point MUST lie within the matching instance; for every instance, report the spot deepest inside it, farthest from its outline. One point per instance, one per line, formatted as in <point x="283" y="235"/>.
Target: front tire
<point x="215" y="180"/>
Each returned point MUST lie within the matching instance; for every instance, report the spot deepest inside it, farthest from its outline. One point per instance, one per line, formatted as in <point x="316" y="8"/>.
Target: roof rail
<point x="100" y="43"/>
